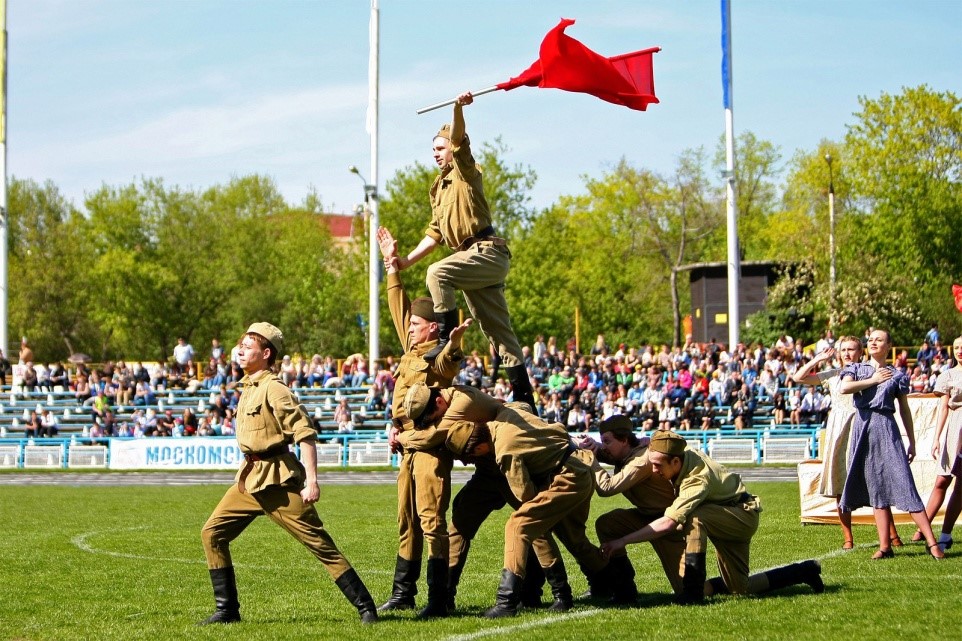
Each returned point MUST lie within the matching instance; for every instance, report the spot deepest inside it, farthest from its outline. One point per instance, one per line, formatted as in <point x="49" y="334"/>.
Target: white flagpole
<point x="734" y="260"/>
<point x="4" y="218"/>
<point x="374" y="263"/>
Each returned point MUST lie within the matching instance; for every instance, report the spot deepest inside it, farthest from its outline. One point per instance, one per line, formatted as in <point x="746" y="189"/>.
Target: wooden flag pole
<point x="454" y="100"/>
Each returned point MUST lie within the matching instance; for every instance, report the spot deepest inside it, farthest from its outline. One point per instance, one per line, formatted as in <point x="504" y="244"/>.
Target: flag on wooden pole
<point x="564" y="63"/>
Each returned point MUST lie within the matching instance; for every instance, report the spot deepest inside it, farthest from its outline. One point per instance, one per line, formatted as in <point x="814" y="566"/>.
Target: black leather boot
<point x="405" y="586"/>
<point x="808" y="572"/>
<point x="693" y="582"/>
<point x="225" y="597"/>
<point x="534" y="580"/>
<point x="520" y="384"/>
<point x="623" y="588"/>
<point x="509" y="596"/>
<point x="446" y="322"/>
<point x="437" y="590"/>
<point x="557" y="578"/>
<point x="600" y="587"/>
<point x="356" y="592"/>
<point x="718" y="586"/>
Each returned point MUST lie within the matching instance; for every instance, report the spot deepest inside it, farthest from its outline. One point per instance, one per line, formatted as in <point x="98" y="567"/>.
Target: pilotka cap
<point x="268" y="331"/>
<point x="668" y="443"/>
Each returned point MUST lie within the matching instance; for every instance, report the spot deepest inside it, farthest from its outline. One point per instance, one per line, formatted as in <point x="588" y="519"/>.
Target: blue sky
<point x="197" y="91"/>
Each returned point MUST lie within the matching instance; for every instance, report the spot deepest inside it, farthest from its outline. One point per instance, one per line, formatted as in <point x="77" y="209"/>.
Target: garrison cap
<point x="268" y="331"/>
<point x="416" y="401"/>
<point x="444" y="132"/>
<point x="424" y="308"/>
<point x="668" y="443"/>
<point x="619" y="425"/>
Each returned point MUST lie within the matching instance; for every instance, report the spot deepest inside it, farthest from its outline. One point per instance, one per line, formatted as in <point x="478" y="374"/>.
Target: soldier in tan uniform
<point x="480" y="260"/>
<point x="711" y="503"/>
<point x="424" y="474"/>
<point x="548" y="475"/>
<point x="486" y="491"/>
<point x="272" y="481"/>
<point x="649" y="493"/>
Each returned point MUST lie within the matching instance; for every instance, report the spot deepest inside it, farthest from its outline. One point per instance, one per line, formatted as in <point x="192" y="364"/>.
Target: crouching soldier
<point x="711" y="504"/>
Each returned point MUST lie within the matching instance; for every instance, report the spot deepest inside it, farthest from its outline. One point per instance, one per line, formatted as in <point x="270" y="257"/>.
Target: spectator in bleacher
<point x="739" y="415"/>
<point x="29" y="380"/>
<point x="234" y="375"/>
<point x="213" y="377"/>
<point x="779" y="407"/>
<point x="183" y="352"/>
<point x="166" y="423"/>
<point x="932" y="336"/>
<point x="100" y="405"/>
<point x="918" y="381"/>
<point x="879" y="473"/>
<point x="43" y="378"/>
<point x="33" y="426"/>
<point x="716" y="389"/>
<point x="315" y="371"/>
<point x="143" y="395"/>
<point x="189" y="422"/>
<point x="81" y="390"/>
<point x="26" y="354"/>
<point x="708" y="415"/>
<point x="5" y="368"/>
<point x="59" y="377"/>
<point x="109" y="424"/>
<point x="827" y="341"/>
<point x="810" y="409"/>
<point x="923" y="358"/>
<point x="228" y="427"/>
<point x="648" y="416"/>
<point x="159" y="376"/>
<point x="688" y="416"/>
<point x="578" y="420"/>
<point x="794" y="404"/>
<point x="343" y="418"/>
<point x="667" y="415"/>
<point x="216" y="350"/>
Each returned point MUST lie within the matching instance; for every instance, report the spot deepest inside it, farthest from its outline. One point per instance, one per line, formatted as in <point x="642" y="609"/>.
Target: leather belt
<point x="250" y="459"/>
<point x="485" y="235"/>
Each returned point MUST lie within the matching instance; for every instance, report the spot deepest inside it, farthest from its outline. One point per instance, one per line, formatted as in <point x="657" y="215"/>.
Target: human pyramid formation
<point x="681" y="498"/>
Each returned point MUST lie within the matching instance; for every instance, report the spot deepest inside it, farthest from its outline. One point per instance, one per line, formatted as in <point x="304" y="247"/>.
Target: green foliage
<point x="790" y="308"/>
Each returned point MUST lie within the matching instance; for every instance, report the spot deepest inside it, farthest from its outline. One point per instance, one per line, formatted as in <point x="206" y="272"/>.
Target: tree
<point x="905" y="160"/>
<point x="49" y="282"/>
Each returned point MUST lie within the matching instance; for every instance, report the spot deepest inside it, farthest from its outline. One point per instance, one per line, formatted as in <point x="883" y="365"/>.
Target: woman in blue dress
<point x="879" y="473"/>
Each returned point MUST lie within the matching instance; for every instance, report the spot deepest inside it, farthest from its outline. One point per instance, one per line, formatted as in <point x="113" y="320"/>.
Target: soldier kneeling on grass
<point x="711" y="503"/>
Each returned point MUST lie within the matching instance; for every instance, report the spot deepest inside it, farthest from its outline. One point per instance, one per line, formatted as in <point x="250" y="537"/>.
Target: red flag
<point x="567" y="64"/>
<point x="957" y="293"/>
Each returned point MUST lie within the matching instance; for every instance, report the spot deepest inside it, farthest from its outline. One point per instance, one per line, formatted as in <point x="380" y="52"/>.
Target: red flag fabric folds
<point x="567" y="64"/>
<point x="957" y="293"/>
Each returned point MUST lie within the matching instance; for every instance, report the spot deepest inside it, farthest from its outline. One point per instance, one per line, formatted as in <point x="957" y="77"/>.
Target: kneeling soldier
<point x="711" y="503"/>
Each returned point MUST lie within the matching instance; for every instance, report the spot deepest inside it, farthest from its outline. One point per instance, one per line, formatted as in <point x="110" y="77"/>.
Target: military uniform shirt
<point x="459" y="209"/>
<point x="269" y="417"/>
<point x="647" y="491"/>
<point x="527" y="448"/>
<point x="413" y="368"/>
<point x="702" y="480"/>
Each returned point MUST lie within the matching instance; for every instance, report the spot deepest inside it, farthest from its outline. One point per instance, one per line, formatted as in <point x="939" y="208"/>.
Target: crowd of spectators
<point x="688" y="387"/>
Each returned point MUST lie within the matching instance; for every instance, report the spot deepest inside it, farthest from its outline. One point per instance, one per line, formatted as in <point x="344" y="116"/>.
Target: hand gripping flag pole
<point x="566" y="64"/>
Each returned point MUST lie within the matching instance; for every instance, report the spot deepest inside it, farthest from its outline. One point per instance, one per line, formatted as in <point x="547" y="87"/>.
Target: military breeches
<point x="484" y="493"/>
<point x="284" y="506"/>
<point x="730" y="529"/>
<point x="479" y="272"/>
<point x="423" y="496"/>
<point x="669" y="548"/>
<point x="561" y="508"/>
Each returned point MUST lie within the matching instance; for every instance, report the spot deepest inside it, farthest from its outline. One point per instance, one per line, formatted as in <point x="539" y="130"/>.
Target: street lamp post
<point x="831" y="243"/>
<point x="374" y="268"/>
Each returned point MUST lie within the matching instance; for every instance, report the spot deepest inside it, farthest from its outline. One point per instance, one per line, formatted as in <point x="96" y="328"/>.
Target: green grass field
<point x="126" y="563"/>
